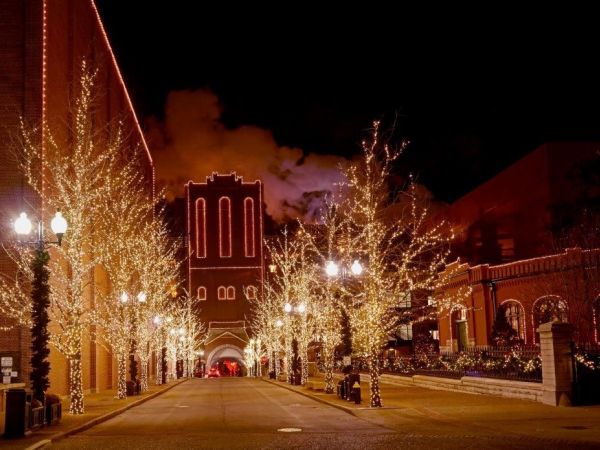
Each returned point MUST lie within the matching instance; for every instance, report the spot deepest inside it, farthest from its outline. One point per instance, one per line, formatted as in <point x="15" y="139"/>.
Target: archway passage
<point x="226" y="360"/>
<point x="229" y="367"/>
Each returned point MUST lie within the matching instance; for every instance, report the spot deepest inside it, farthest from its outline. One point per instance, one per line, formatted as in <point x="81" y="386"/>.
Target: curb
<point x="320" y="400"/>
<point x="99" y="419"/>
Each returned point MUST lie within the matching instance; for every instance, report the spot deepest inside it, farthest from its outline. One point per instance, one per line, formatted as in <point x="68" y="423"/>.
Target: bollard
<point x="356" y="392"/>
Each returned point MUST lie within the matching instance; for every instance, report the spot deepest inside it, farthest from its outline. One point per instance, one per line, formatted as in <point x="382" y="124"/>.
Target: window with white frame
<point x="201" y="293"/>
<point x="405" y="332"/>
<point x="405" y="300"/>
<point x="251" y="292"/>
<point x="230" y="293"/>
<point x="222" y="293"/>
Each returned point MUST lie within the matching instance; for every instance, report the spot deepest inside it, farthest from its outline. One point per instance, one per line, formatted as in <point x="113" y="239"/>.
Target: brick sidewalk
<point x="98" y="408"/>
<point x="520" y="419"/>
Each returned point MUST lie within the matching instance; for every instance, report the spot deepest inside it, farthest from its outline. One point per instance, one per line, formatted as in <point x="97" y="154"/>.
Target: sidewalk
<point x="417" y="407"/>
<point x="98" y="408"/>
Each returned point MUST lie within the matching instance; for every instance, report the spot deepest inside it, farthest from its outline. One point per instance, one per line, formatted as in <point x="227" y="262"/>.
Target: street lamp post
<point x="345" y="272"/>
<point x="40" y="296"/>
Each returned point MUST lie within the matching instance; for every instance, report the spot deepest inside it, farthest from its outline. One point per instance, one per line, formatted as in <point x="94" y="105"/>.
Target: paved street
<point x="246" y="413"/>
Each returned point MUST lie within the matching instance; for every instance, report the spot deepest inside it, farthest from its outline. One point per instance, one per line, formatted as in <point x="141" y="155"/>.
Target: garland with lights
<point x="40" y="295"/>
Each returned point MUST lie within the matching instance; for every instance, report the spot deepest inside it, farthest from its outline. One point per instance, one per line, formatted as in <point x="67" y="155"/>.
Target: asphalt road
<point x="243" y="413"/>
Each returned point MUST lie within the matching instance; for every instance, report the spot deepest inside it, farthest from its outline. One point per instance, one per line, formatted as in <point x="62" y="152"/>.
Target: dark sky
<point x="473" y="92"/>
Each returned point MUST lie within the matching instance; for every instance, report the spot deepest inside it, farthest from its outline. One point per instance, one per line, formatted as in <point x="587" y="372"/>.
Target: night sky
<point x="470" y="98"/>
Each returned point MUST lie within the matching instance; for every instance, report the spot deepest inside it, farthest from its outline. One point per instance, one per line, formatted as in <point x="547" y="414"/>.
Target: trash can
<point x="17" y="413"/>
<point x="341" y="389"/>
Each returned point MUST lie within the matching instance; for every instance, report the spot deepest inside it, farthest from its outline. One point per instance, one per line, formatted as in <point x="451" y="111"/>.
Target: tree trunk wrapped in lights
<point x="121" y="375"/>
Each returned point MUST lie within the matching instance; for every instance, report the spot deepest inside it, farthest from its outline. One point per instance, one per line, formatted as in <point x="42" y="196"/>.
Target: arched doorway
<point x="459" y="329"/>
<point x="228" y="359"/>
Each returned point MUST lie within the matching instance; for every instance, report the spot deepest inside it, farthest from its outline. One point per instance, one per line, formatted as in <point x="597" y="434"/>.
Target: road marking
<point x="290" y="430"/>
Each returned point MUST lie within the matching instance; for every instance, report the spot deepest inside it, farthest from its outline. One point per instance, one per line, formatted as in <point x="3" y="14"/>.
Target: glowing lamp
<point x="141" y="297"/>
<point x="356" y="267"/>
<point x="156" y="320"/>
<point x="287" y="308"/>
<point x="124" y="297"/>
<point x="59" y="226"/>
<point x="301" y="308"/>
<point x="331" y="269"/>
<point x="23" y="224"/>
<point x="279" y="323"/>
<point x="272" y="268"/>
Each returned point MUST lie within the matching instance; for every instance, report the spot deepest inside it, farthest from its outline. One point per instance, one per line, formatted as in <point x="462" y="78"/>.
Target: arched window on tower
<point x="251" y="292"/>
<point x="200" y="228"/>
<point x="221" y="293"/>
<point x="249" y="227"/>
<point x="225" y="227"/>
<point x="230" y="293"/>
<point x="201" y="293"/>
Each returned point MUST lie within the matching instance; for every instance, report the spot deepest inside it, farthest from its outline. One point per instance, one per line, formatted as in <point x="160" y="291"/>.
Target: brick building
<point x="225" y="258"/>
<point x="42" y="45"/>
<point x="528" y="240"/>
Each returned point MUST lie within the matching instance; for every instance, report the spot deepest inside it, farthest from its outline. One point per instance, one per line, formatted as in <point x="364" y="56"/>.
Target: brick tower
<point x="225" y="260"/>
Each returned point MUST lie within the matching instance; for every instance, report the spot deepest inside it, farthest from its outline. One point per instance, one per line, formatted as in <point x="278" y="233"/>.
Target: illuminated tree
<point x="403" y="254"/>
<point x="192" y="332"/>
<point x="327" y="305"/>
<point x="267" y="321"/>
<point x="280" y="292"/>
<point x="157" y="269"/>
<point x="72" y="177"/>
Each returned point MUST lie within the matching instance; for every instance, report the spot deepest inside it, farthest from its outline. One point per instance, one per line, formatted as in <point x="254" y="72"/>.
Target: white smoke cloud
<point x="192" y="143"/>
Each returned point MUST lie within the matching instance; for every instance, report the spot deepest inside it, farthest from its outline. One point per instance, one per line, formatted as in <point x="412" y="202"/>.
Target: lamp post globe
<point x="23" y="225"/>
<point x="141" y="297"/>
<point x="331" y="269"/>
<point x="356" y="267"/>
<point x="59" y="226"/>
<point x="288" y="308"/>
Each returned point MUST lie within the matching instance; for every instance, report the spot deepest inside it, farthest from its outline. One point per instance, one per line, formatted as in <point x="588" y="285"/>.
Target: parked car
<point x="214" y="372"/>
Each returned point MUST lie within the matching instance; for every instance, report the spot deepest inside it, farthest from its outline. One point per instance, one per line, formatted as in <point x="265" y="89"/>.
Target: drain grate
<point x="289" y="430"/>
